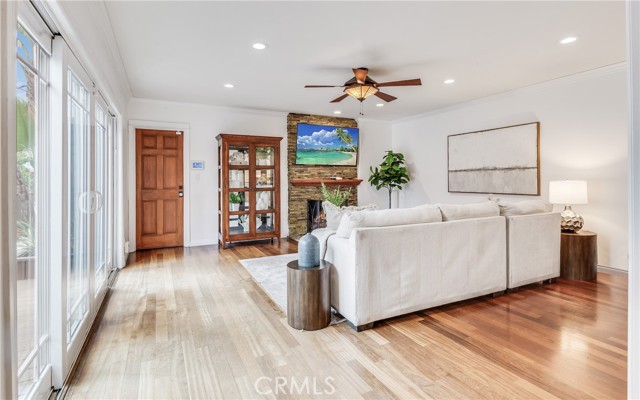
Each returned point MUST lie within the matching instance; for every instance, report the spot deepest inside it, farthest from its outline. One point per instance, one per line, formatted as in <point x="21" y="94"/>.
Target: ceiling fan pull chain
<point x="361" y="109"/>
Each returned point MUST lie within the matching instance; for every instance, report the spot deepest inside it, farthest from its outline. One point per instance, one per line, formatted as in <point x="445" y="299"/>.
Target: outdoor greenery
<point x="336" y="196"/>
<point x="26" y="246"/>
<point x="391" y="174"/>
<point x="25" y="168"/>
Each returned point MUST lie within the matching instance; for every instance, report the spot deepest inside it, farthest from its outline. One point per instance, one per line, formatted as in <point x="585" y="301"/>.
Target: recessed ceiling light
<point x="568" y="40"/>
<point x="380" y="105"/>
<point x="449" y="81"/>
<point x="337" y="112"/>
<point x="259" y="46"/>
<point x="229" y="85"/>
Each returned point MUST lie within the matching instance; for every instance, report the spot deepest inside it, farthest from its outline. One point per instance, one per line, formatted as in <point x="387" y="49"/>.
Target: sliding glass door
<point x="32" y="194"/>
<point x="102" y="197"/>
<point x="89" y="177"/>
<point x="61" y="213"/>
<point x="79" y="119"/>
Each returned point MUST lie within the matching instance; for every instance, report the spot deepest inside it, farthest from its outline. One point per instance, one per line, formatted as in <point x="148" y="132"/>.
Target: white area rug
<point x="270" y="273"/>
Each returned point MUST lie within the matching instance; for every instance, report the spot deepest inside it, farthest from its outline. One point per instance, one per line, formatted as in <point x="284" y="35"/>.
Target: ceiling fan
<point x="362" y="86"/>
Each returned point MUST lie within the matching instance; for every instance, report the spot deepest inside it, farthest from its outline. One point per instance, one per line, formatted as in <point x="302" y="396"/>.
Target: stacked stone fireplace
<point x="299" y="195"/>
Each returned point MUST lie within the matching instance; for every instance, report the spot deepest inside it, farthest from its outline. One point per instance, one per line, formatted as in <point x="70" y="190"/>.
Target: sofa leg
<point x="360" y="328"/>
<point x="498" y="294"/>
<point x="550" y="280"/>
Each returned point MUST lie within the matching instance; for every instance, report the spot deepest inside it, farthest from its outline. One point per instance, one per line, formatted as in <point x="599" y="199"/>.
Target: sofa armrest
<point x="533" y="248"/>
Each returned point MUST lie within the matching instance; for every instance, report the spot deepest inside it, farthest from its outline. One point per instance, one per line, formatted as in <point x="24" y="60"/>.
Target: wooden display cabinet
<point x="248" y="188"/>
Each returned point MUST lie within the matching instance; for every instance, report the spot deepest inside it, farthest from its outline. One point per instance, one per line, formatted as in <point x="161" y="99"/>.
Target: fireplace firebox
<point x="315" y="215"/>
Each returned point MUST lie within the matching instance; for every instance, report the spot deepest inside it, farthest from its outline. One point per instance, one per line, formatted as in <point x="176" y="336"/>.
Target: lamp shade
<point x="361" y="92"/>
<point x="568" y="192"/>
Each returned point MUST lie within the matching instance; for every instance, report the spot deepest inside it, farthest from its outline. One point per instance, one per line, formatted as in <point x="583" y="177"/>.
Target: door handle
<point x="180" y="194"/>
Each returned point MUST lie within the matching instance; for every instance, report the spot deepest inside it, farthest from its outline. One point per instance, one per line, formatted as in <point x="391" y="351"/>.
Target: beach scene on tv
<point x="326" y="145"/>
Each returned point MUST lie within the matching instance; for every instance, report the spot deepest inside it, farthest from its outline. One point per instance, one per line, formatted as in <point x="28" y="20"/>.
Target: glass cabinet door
<point x="238" y="155"/>
<point x="265" y="200"/>
<point x="238" y="178"/>
<point x="265" y="178"/>
<point x="265" y="156"/>
<point x="264" y="222"/>
<point x="239" y="224"/>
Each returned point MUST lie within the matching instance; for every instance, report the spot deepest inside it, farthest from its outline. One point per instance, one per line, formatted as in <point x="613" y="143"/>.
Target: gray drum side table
<point x="308" y="296"/>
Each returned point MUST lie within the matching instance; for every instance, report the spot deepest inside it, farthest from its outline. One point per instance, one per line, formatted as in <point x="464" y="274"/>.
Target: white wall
<point x="375" y="140"/>
<point x="583" y="135"/>
<point x="205" y="123"/>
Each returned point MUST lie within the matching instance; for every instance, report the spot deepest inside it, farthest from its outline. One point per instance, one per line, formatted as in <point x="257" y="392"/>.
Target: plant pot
<point x="234" y="206"/>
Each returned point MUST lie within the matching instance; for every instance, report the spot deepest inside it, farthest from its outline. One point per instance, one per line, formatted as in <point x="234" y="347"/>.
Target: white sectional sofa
<point x="392" y="262"/>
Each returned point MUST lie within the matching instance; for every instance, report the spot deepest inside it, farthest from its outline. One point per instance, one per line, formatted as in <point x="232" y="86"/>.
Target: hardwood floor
<point x="191" y="323"/>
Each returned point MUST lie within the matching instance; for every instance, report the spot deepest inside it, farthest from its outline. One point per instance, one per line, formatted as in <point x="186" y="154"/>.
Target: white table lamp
<point x="568" y="193"/>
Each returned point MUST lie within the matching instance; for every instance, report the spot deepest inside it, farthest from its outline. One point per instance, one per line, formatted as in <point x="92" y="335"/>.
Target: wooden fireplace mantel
<point x="327" y="182"/>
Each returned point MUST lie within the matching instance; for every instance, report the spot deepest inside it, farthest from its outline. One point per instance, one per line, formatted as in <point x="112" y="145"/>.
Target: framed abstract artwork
<point x="501" y="161"/>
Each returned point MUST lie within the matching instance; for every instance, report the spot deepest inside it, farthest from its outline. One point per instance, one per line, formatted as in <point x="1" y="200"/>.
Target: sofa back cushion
<point x="378" y="218"/>
<point x="452" y="212"/>
<point x="334" y="214"/>
<point x="525" y="207"/>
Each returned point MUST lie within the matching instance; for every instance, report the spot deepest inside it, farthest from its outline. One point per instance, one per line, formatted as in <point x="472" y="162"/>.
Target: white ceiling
<point x="185" y="51"/>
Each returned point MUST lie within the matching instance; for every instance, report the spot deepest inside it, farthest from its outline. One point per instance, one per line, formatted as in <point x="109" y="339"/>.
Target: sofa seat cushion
<point x="379" y="218"/>
<point x="452" y="212"/>
<point x="334" y="214"/>
<point x="525" y="207"/>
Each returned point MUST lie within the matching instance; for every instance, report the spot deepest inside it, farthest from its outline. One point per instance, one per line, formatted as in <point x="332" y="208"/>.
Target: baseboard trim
<point x="612" y="271"/>
<point x="202" y="243"/>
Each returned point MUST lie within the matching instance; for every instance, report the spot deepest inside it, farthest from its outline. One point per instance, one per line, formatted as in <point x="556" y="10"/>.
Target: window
<point x="32" y="193"/>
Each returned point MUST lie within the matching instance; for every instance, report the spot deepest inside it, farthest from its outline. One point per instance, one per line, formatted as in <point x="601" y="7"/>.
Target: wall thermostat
<point x="197" y="164"/>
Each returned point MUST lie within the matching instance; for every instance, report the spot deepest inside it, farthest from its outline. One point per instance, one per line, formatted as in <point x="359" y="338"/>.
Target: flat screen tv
<point x="326" y="145"/>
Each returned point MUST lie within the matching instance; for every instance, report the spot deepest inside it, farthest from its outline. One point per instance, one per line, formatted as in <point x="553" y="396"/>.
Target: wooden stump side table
<point x="579" y="255"/>
<point x="308" y="296"/>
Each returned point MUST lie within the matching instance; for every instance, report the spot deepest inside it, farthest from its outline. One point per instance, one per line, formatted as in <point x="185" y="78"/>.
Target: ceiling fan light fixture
<point x="361" y="92"/>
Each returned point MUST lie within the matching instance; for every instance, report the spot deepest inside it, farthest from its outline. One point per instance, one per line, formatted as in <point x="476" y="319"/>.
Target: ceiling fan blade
<point x="408" y="82"/>
<point x="361" y="74"/>
<point x="339" y="99"/>
<point x="321" y="86"/>
<point x="385" y="97"/>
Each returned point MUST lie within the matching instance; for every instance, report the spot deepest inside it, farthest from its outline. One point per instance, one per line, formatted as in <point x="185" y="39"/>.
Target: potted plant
<point x="234" y="201"/>
<point x="336" y="196"/>
<point x="391" y="174"/>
